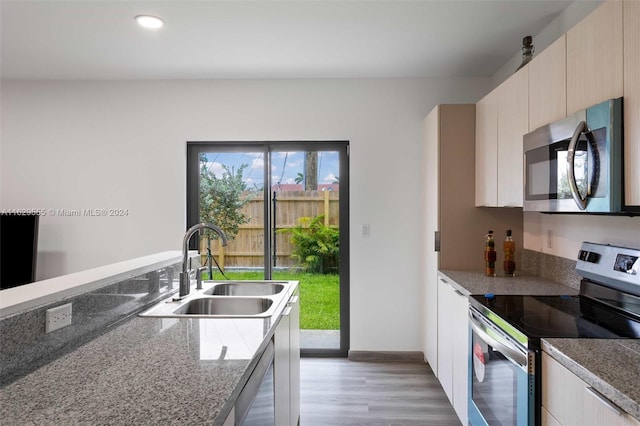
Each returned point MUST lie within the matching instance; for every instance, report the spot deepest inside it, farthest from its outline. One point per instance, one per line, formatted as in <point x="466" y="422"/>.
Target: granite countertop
<point x="610" y="366"/>
<point x="145" y="371"/>
<point x="475" y="282"/>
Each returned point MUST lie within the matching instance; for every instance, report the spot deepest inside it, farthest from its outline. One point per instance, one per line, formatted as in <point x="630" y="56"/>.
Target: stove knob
<point x="588" y="256"/>
<point x="593" y="257"/>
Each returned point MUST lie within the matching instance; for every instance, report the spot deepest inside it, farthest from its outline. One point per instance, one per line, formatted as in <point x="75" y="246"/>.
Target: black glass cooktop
<point x="559" y="316"/>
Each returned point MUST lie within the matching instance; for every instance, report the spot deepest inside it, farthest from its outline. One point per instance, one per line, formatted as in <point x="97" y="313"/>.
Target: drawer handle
<point x="444" y="281"/>
<point x="293" y="300"/>
<point x="287" y="311"/>
<point x="458" y="292"/>
<point x="600" y="397"/>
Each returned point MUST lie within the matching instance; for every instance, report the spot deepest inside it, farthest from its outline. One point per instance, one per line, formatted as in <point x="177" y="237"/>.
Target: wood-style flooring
<point x="336" y="391"/>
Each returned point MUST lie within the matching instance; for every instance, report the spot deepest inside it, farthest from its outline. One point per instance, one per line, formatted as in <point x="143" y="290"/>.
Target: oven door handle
<point x="481" y="328"/>
<point x="571" y="174"/>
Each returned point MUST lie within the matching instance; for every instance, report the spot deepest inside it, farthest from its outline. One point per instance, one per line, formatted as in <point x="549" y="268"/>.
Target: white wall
<point x="113" y="144"/>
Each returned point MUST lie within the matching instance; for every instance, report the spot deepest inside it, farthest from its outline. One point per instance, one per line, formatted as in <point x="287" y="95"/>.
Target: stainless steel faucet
<point x="185" y="282"/>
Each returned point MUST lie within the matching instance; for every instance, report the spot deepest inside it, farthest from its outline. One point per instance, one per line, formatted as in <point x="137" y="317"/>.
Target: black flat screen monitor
<point x="18" y="249"/>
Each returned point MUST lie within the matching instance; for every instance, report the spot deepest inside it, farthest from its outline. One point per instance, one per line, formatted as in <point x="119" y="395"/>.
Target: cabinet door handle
<point x="444" y="281"/>
<point x="607" y="403"/>
<point x="293" y="300"/>
<point x="286" y="311"/>
<point x="458" y="292"/>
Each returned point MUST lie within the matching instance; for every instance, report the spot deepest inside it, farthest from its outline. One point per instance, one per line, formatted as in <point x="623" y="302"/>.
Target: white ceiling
<point x="265" y="39"/>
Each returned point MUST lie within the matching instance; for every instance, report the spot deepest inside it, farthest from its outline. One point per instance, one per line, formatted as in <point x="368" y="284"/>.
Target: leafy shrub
<point x="316" y="246"/>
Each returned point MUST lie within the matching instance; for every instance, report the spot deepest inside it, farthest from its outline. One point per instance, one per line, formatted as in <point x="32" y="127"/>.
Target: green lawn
<point x="319" y="296"/>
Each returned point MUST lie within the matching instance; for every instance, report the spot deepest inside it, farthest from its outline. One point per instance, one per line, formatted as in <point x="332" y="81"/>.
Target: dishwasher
<point x="255" y="405"/>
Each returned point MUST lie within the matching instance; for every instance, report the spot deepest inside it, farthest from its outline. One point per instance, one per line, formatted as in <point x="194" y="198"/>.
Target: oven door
<point x="502" y="389"/>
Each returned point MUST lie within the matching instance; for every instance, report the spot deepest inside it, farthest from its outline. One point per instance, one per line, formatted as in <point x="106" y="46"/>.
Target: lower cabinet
<point x="286" y="365"/>
<point x="567" y="400"/>
<point x="453" y="346"/>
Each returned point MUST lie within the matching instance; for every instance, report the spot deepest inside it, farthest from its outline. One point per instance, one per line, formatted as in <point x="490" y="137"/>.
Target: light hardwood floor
<point x="336" y="391"/>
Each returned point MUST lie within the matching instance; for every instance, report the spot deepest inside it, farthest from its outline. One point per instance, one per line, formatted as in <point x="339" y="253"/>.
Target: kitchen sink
<point x="225" y="306"/>
<point x="224" y="299"/>
<point x="246" y="288"/>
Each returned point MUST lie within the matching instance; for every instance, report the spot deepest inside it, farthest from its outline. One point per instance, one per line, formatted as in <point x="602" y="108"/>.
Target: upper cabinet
<point x="595" y="58"/>
<point x="548" y="85"/>
<point x="513" y="124"/>
<point x="487" y="151"/>
<point x="502" y="119"/>
<point x="632" y="101"/>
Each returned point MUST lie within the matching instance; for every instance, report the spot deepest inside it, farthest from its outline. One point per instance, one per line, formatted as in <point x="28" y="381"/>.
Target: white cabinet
<point x="453" y="346"/>
<point x="568" y="401"/>
<point x="595" y="58"/>
<point x="286" y="365"/>
<point x="502" y="119"/>
<point x="631" y="108"/>
<point x="548" y="85"/>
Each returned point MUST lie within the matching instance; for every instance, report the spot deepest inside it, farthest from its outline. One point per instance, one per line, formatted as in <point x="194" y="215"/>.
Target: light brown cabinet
<point x="513" y="124"/>
<point x="449" y="211"/>
<point x="548" y="85"/>
<point x="595" y="58"/>
<point x="567" y="400"/>
<point x="502" y="119"/>
<point x="487" y="151"/>
<point x="632" y="101"/>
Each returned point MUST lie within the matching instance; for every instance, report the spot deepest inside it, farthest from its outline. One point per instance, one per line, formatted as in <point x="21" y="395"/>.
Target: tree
<point x="311" y="171"/>
<point x="222" y="198"/>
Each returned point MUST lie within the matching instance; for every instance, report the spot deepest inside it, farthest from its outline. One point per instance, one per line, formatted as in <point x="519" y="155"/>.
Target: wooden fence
<point x="247" y="248"/>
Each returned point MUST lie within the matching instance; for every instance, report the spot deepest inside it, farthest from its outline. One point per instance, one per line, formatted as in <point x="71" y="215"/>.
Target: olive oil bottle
<point x="509" y="248"/>
<point x="490" y="255"/>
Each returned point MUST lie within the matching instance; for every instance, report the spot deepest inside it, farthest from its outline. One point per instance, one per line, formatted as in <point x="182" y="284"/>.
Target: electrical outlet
<point x="365" y="230"/>
<point x="58" y="317"/>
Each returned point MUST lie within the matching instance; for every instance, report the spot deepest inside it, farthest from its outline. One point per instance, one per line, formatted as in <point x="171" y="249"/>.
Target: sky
<point x="285" y="166"/>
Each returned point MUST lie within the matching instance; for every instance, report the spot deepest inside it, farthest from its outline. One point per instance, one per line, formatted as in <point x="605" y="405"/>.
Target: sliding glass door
<point x="284" y="208"/>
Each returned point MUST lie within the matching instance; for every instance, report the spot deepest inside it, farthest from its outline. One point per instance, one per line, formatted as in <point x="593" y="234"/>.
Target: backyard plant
<point x="316" y="245"/>
<point x="222" y="197"/>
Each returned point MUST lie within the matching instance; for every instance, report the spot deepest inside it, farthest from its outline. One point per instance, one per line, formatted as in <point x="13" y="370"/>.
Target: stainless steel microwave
<point x="575" y="165"/>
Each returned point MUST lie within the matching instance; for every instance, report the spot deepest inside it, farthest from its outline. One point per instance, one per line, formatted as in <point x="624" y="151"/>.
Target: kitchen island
<point x="145" y="371"/>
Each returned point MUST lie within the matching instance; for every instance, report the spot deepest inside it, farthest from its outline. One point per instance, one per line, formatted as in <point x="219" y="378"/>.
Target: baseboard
<point x="386" y="356"/>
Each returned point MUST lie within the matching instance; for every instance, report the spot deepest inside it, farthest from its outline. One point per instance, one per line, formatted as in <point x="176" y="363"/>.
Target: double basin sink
<point x="225" y="299"/>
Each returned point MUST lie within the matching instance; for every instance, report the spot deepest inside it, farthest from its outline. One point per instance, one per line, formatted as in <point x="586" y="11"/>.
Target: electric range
<point x="507" y="330"/>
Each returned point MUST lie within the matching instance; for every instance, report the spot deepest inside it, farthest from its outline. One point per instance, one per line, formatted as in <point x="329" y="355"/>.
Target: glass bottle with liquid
<point x="509" y="247"/>
<point x="490" y="255"/>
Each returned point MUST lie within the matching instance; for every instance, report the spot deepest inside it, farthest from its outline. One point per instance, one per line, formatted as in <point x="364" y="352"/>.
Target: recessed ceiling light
<point x="149" y="21"/>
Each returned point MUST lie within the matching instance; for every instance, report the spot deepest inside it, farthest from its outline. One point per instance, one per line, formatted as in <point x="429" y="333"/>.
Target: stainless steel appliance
<point x="575" y="164"/>
<point x="506" y="330"/>
<point x="255" y="405"/>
